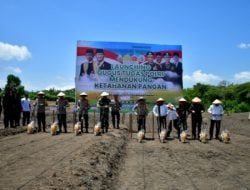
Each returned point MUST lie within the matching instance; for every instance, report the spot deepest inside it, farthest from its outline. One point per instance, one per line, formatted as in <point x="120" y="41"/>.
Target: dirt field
<point x="117" y="161"/>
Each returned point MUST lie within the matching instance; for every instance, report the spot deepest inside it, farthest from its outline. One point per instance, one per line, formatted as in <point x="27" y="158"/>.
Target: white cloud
<point x="243" y="76"/>
<point x="199" y="76"/>
<point x="10" y="52"/>
<point x="60" y="86"/>
<point x="243" y="45"/>
<point x="16" y="70"/>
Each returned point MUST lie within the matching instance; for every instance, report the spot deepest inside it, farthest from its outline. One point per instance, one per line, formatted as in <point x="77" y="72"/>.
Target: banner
<point x="128" y="69"/>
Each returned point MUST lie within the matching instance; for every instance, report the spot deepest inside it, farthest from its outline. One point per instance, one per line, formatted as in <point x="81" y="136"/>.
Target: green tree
<point x="14" y="82"/>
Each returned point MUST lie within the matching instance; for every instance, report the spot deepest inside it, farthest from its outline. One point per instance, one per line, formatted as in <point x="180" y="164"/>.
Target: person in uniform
<point x="150" y="60"/>
<point x="182" y="111"/>
<point x="104" y="103"/>
<point x="158" y="64"/>
<point x="166" y="65"/>
<point x="216" y="111"/>
<point x="172" y="118"/>
<point x="115" y="111"/>
<point x="61" y="104"/>
<point x="160" y="111"/>
<point x="176" y="66"/>
<point x="196" y="109"/>
<point x="101" y="64"/>
<point x="26" y="108"/>
<point x="83" y="106"/>
<point x="141" y="111"/>
<point x="40" y="104"/>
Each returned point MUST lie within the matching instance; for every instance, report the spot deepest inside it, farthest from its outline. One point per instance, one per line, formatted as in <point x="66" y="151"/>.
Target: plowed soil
<point x="117" y="161"/>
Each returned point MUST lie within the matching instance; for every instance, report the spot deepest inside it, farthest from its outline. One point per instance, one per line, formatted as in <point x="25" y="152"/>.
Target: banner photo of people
<point x="128" y="69"/>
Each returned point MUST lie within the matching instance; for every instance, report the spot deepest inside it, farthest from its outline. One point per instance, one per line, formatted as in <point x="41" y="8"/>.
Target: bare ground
<point x="117" y="161"/>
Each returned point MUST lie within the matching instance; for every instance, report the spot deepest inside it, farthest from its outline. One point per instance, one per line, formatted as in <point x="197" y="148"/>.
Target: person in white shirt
<point x="160" y="111"/>
<point x="216" y="111"/>
<point x="172" y="118"/>
<point x="26" y="107"/>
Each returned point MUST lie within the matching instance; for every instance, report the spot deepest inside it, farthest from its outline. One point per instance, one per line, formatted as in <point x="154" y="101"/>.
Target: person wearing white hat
<point x="104" y="103"/>
<point x="39" y="105"/>
<point x="141" y="111"/>
<point x="196" y="109"/>
<point x="216" y="111"/>
<point x="83" y="107"/>
<point x="115" y="111"/>
<point x="160" y="111"/>
<point x="182" y="111"/>
<point x="61" y="104"/>
<point x="172" y="117"/>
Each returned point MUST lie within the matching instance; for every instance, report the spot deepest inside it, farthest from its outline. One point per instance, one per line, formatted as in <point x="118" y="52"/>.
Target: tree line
<point x="235" y="97"/>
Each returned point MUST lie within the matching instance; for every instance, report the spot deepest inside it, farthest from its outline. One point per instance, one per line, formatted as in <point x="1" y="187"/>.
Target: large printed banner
<point x="128" y="68"/>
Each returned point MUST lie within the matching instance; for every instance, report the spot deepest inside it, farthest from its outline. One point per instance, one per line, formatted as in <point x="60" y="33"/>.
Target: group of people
<point x="12" y="106"/>
<point x="168" y="116"/>
<point x="157" y="61"/>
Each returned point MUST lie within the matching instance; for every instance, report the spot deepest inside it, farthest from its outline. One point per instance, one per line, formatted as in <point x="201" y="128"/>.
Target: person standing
<point x="26" y="107"/>
<point x="8" y="108"/>
<point x="172" y="117"/>
<point x="176" y="66"/>
<point x="0" y="102"/>
<point x="141" y="111"/>
<point x="182" y="111"/>
<point x="40" y="104"/>
<point x="104" y="103"/>
<point x="115" y="111"/>
<point x="196" y="109"/>
<point x="61" y="104"/>
<point x="216" y="111"/>
<point x="160" y="111"/>
<point x="83" y="106"/>
<point x="18" y="108"/>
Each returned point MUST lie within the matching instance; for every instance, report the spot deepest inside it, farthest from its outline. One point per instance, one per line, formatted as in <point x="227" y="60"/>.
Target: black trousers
<point x="84" y="117"/>
<point x="62" y="122"/>
<point x="26" y="118"/>
<point x="104" y="118"/>
<point x="196" y="124"/>
<point x="175" y="124"/>
<point x="41" y="121"/>
<point x="17" y="117"/>
<point x="115" y="119"/>
<point x="183" y="122"/>
<point x="141" y="122"/>
<point x="162" y="123"/>
<point x="217" y="124"/>
<point x="8" y="120"/>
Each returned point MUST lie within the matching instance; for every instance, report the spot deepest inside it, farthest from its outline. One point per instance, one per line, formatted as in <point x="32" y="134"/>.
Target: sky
<point x="38" y="37"/>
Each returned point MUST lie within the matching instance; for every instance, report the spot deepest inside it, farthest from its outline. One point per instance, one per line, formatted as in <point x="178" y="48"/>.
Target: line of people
<point x="177" y="117"/>
<point x="167" y="115"/>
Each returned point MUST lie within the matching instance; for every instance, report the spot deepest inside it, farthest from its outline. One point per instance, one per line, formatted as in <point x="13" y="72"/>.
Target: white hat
<point x="217" y="101"/>
<point x="61" y="94"/>
<point x="160" y="100"/>
<point x="196" y="100"/>
<point x="182" y="100"/>
<point x="40" y="93"/>
<point x="141" y="98"/>
<point x="83" y="94"/>
<point x="104" y="94"/>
